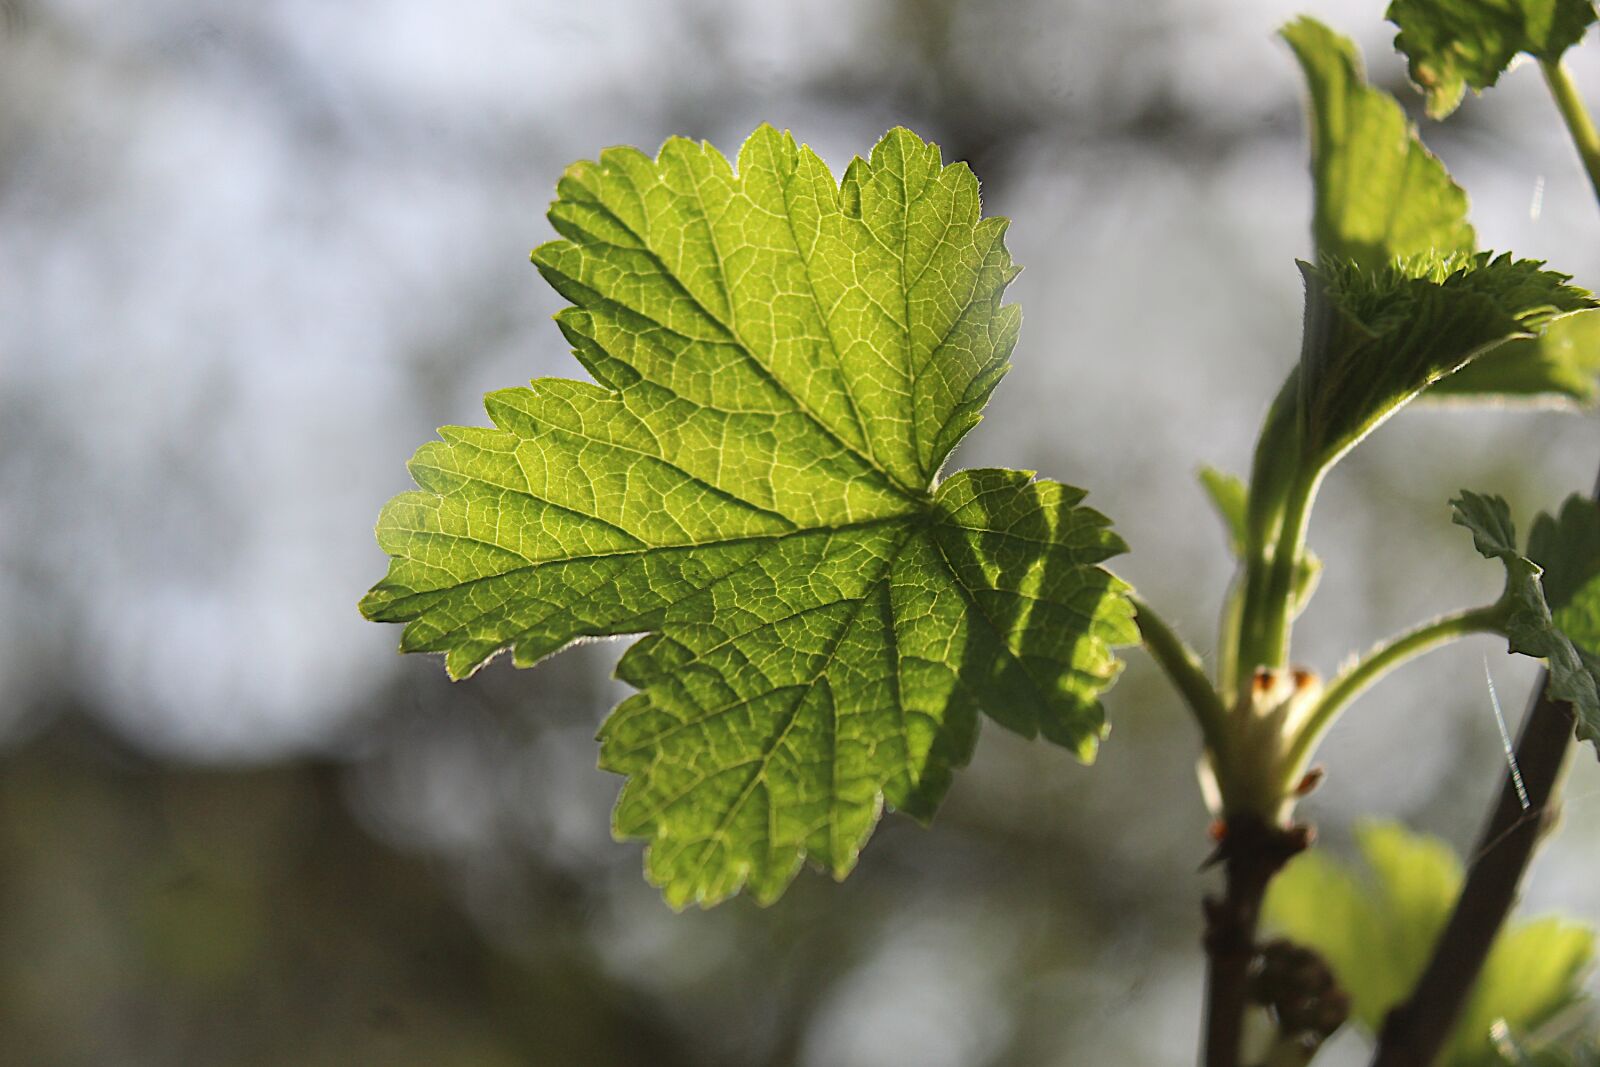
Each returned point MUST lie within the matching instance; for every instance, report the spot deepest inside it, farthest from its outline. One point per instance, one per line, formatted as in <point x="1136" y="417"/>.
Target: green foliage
<point x="1529" y="627"/>
<point x="1231" y="499"/>
<point x="1376" y="928"/>
<point x="1453" y="44"/>
<point x="1567" y="547"/>
<point x="1381" y="197"/>
<point x="783" y="365"/>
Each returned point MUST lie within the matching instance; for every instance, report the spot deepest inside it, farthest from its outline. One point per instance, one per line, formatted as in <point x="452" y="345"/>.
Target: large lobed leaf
<point x="1377" y="927"/>
<point x="783" y="363"/>
<point x="1382" y="200"/>
<point x="1454" y="44"/>
<point x="1539" y="616"/>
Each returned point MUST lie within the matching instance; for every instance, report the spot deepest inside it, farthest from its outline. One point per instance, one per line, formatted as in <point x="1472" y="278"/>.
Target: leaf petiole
<point x="1385" y="657"/>
<point x="1183" y="667"/>
<point x="1279" y="604"/>
<point x="1584" y="135"/>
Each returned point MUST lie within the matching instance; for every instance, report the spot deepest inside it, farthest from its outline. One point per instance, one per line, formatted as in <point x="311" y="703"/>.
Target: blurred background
<point x="252" y="254"/>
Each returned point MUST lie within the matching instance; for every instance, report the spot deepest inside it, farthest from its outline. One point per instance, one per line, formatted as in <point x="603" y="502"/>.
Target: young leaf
<point x="783" y="364"/>
<point x="1529" y="626"/>
<point x="1376" y="929"/>
<point x="1567" y="546"/>
<point x="1379" y="194"/>
<point x="1375" y="338"/>
<point x="1453" y="44"/>
<point x="1231" y="499"/>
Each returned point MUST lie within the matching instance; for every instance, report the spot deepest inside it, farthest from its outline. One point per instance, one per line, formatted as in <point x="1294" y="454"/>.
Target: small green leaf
<point x="1379" y="194"/>
<point x="1228" y="494"/>
<point x="1568" y="548"/>
<point x="1529" y="626"/>
<point x="1376" y="928"/>
<point x="1231" y="498"/>
<point x="1454" y="44"/>
<point x="783" y="364"/>
<point x="1375" y="338"/>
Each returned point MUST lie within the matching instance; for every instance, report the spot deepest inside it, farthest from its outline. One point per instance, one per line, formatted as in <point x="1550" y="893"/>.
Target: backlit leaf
<point x="782" y="364"/>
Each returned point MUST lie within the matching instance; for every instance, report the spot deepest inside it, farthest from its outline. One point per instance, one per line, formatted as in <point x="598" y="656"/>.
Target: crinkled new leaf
<point x="782" y="364"/>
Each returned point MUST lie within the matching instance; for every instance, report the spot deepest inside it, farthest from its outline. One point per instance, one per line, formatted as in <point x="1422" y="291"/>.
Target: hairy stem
<point x="1584" y="136"/>
<point x="1269" y="601"/>
<point x="1353" y="681"/>
<point x="1278" y="618"/>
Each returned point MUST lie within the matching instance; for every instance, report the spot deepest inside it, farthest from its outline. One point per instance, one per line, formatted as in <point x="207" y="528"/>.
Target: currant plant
<point x="783" y="363"/>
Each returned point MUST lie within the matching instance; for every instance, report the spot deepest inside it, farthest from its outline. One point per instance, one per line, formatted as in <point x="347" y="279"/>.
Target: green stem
<point x="1276" y="608"/>
<point x="1228" y="637"/>
<point x="1354" y="680"/>
<point x="1584" y="135"/>
<point x="1187" y="673"/>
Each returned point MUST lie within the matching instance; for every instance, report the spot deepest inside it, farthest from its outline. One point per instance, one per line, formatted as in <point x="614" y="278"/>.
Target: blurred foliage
<point x="1376" y="928"/>
<point x="163" y="916"/>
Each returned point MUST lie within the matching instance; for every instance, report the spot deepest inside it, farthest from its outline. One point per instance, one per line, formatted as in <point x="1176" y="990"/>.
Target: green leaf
<point x="1567" y="547"/>
<point x="1529" y="626"/>
<point x="1453" y="44"/>
<point x="1561" y="364"/>
<point x="783" y="364"/>
<point x="1379" y="194"/>
<point x="1375" y="338"/>
<point x="1231" y="498"/>
<point x="1376" y="928"/>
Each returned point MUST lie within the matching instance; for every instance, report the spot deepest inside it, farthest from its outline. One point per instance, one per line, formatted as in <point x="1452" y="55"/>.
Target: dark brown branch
<point x="1251" y="853"/>
<point x="1414" y="1033"/>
